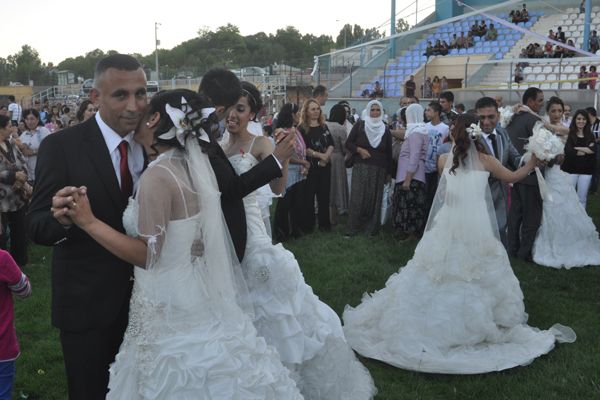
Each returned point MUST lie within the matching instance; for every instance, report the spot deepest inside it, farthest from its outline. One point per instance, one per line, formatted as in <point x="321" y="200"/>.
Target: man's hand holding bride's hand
<point x="79" y="210"/>
<point x="60" y="204"/>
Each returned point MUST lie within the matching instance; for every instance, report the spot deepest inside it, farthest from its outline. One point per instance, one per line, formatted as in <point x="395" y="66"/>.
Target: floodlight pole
<point x="156" y="43"/>
<point x="586" y="25"/>
<point x="393" y="30"/>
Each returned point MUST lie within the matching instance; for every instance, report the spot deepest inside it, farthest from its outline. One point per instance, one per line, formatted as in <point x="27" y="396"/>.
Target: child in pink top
<point x="12" y="280"/>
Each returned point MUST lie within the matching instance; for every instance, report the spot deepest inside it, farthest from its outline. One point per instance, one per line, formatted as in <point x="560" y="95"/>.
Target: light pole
<point x="156" y="43"/>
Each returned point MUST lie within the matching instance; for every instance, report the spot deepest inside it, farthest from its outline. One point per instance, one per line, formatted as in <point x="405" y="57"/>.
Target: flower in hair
<point x="474" y="131"/>
<point x="183" y="122"/>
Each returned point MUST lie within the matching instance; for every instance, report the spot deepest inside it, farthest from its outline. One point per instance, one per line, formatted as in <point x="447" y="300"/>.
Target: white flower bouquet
<point x="546" y="146"/>
<point x="506" y="115"/>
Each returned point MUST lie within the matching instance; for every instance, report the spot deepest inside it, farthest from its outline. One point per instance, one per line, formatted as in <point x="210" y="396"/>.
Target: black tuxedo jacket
<point x="90" y="286"/>
<point x="234" y="188"/>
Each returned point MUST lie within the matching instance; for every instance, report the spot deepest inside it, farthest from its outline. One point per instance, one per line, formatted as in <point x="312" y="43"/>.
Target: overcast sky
<point x="68" y="28"/>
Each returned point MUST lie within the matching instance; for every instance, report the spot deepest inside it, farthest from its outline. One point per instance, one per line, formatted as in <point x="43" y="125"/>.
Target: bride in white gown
<point x="306" y="332"/>
<point x="567" y="236"/>
<point x="456" y="307"/>
<point x="189" y="334"/>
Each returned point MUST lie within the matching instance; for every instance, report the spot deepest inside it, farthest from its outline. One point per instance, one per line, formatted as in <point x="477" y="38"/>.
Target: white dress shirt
<point x="135" y="152"/>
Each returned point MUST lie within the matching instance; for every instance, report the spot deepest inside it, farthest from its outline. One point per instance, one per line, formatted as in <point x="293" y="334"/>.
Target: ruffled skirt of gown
<point x="567" y="236"/>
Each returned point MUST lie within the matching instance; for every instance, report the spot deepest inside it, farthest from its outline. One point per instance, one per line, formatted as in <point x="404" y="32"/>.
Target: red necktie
<point x="126" y="179"/>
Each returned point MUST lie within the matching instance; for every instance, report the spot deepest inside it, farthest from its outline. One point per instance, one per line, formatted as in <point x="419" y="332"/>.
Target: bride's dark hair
<point x="194" y="100"/>
<point x="462" y="139"/>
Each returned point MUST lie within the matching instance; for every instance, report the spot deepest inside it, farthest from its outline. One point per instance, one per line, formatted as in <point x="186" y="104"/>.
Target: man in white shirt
<point x="14" y="111"/>
<point x="437" y="131"/>
<point x="566" y="121"/>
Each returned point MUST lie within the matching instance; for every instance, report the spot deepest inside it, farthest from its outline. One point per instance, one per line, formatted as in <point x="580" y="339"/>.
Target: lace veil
<point x="180" y="187"/>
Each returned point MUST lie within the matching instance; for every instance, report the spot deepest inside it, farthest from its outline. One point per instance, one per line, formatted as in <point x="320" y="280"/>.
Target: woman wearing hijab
<point x="370" y="144"/>
<point x="409" y="204"/>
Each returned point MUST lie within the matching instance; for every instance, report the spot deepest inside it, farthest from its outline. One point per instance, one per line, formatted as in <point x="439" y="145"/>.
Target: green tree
<point x="27" y="65"/>
<point x="402" y="25"/>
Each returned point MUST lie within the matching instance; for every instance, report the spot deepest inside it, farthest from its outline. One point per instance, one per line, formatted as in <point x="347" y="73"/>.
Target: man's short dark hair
<point x="122" y="62"/>
<point x="11" y="97"/>
<point x="486" y="102"/>
<point x="531" y="94"/>
<point x="592" y="111"/>
<point x="448" y="96"/>
<point x="435" y="106"/>
<point x="221" y="86"/>
<point x="319" y="91"/>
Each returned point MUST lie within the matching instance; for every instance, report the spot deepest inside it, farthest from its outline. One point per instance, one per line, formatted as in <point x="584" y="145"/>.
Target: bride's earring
<point x="148" y="124"/>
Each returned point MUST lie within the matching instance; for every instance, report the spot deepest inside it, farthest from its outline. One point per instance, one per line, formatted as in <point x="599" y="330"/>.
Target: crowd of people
<point x="174" y="218"/>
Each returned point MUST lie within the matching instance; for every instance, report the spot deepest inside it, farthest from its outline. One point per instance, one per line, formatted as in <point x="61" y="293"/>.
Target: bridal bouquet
<point x="546" y="146"/>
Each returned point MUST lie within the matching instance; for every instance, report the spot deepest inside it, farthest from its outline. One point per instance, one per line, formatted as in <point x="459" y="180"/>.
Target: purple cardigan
<point x="412" y="157"/>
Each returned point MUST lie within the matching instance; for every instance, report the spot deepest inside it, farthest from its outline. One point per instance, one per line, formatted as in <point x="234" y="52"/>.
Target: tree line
<point x="224" y="47"/>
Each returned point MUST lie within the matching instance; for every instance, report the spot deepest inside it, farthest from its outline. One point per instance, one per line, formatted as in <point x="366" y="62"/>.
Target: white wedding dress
<point x="567" y="236"/>
<point x="188" y="336"/>
<point x="305" y="331"/>
<point x="456" y="307"/>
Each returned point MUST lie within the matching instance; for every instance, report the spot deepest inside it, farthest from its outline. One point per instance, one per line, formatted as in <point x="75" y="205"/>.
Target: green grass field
<point x="340" y="271"/>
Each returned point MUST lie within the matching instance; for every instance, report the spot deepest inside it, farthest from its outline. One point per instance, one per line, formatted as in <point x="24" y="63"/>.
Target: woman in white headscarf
<point x="370" y="144"/>
<point x="409" y="201"/>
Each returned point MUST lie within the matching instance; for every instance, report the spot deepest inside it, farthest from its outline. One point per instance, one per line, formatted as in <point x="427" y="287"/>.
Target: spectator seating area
<point x="398" y="71"/>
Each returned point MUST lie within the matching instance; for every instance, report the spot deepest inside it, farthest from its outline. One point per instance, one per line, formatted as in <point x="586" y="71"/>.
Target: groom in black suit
<point x="91" y="287"/>
<point x="525" y="216"/>
<point x="223" y="89"/>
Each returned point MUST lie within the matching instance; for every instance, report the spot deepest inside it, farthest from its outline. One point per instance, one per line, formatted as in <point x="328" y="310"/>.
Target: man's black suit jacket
<point x="90" y="286"/>
<point x="234" y="188"/>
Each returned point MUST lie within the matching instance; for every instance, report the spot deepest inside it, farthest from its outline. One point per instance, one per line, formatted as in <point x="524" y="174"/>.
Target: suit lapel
<point x="100" y="158"/>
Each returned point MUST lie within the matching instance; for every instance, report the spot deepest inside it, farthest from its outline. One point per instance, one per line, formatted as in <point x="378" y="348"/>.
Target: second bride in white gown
<point x="567" y="237"/>
<point x="305" y="331"/>
<point x="189" y="334"/>
<point x="456" y="307"/>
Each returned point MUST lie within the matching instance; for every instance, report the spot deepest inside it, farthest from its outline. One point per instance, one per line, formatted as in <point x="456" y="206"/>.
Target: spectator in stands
<point x="548" y="50"/>
<point x="85" y="111"/>
<point x="462" y="41"/>
<point x="454" y="42"/>
<point x="436" y="87"/>
<point x="12" y="281"/>
<point x="551" y="34"/>
<point x="592" y="74"/>
<point x="448" y="115"/>
<point x="518" y="73"/>
<point x="568" y="52"/>
<point x="594" y="42"/>
<point x="582" y="84"/>
<point x="437" y="49"/>
<point x="410" y="86"/>
<point x="580" y="154"/>
<point x="523" y="53"/>
<point x="560" y="35"/>
<point x="4" y="110"/>
<point x="559" y="52"/>
<point x="538" y="51"/>
<point x="377" y="92"/>
<point x="482" y="28"/>
<point x="492" y="33"/>
<point x="320" y="94"/>
<point x="429" y="49"/>
<point x="524" y="14"/>
<point x="512" y="16"/>
<point x="444" y="48"/>
<point x="460" y="108"/>
<point x="474" y="29"/>
<point x="470" y="40"/>
<point x="582" y="7"/>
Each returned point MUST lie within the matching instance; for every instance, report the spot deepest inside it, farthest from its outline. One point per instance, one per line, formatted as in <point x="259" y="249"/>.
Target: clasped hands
<point x="70" y="205"/>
